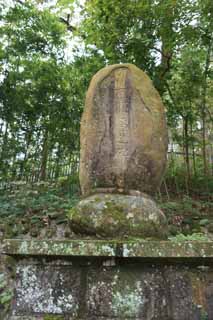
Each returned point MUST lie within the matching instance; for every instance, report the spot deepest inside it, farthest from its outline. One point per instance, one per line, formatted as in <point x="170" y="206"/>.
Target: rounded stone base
<point x="118" y="216"/>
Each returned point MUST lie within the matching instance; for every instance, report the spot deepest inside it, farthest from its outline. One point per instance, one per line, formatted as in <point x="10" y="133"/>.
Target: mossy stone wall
<point x="128" y="284"/>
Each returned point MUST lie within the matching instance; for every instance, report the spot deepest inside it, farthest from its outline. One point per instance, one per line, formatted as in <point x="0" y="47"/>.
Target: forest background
<point x="49" y="50"/>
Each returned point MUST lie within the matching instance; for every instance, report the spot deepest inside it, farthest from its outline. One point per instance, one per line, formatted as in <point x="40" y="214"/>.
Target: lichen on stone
<point x="34" y="296"/>
<point x="118" y="216"/>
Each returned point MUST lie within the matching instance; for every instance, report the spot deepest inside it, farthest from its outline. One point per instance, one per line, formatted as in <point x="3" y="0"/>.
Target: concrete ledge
<point x="109" y="248"/>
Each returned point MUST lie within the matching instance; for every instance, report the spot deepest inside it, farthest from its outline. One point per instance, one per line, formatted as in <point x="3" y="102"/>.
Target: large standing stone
<point x="123" y="132"/>
<point x="123" y="155"/>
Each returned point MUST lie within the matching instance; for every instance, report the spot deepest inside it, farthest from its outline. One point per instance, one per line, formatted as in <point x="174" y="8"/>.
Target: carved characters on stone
<point x="123" y="133"/>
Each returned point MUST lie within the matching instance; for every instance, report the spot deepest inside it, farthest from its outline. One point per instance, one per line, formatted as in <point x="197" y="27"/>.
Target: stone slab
<point x="105" y="288"/>
<point x="113" y="248"/>
<point x="47" y="289"/>
<point x="111" y="280"/>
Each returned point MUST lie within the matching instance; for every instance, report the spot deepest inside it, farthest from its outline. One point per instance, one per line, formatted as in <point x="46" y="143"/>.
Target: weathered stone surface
<point x="119" y="292"/>
<point x="117" y="215"/>
<point x="110" y="248"/>
<point x="46" y="317"/>
<point x="123" y="132"/>
<point x="45" y="289"/>
<point x="104" y="288"/>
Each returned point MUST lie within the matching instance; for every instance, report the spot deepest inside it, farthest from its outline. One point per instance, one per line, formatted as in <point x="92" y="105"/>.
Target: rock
<point x="123" y="154"/>
<point x="118" y="216"/>
<point x="123" y="133"/>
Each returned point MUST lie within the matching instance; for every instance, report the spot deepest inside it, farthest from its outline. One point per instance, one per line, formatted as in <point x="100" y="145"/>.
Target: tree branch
<point x="20" y="2"/>
<point x="67" y="22"/>
<point x="61" y="19"/>
<point x="168" y="56"/>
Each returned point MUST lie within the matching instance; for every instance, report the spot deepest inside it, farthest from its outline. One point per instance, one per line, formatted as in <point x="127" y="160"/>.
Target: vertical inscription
<point x="123" y="132"/>
<point x="121" y="125"/>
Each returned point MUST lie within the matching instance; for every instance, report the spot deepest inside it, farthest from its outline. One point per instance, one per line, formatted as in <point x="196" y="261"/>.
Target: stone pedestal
<point x="107" y="280"/>
<point x="117" y="215"/>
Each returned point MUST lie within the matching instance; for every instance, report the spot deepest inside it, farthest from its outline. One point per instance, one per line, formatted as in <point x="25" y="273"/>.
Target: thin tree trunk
<point x="24" y="162"/>
<point x="57" y="166"/>
<point x="44" y="156"/>
<point x="203" y="108"/>
<point x="166" y="48"/>
<point x="205" y="166"/>
<point x="166" y="189"/>
<point x="186" y="152"/>
<point x="193" y="153"/>
<point x="187" y="148"/>
<point x="4" y="147"/>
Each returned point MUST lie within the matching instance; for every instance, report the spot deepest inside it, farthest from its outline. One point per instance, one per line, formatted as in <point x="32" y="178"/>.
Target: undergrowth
<point x="40" y="210"/>
<point x="36" y="210"/>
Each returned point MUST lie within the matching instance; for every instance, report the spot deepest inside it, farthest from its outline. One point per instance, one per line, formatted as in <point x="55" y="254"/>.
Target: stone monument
<point x="115" y="267"/>
<point x="123" y="156"/>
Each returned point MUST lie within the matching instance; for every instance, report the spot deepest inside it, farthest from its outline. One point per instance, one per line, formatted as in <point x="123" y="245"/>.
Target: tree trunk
<point x="57" y="165"/>
<point x="23" y="172"/>
<point x="186" y="134"/>
<point x="193" y="153"/>
<point x="186" y="152"/>
<point x="4" y="149"/>
<point x="44" y="156"/>
<point x="203" y="108"/>
<point x="205" y="165"/>
<point x="167" y="47"/>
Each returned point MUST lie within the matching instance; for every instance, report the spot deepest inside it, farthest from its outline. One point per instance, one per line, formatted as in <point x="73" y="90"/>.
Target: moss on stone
<point x="118" y="216"/>
<point x="53" y="317"/>
<point x="113" y="248"/>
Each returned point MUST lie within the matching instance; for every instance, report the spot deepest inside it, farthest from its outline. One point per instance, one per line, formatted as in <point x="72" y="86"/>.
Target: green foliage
<point x="204" y="222"/>
<point x="204" y="315"/>
<point x="28" y="209"/>
<point x="51" y="317"/>
<point x="40" y="96"/>
<point x="189" y="216"/>
<point x="6" y="295"/>
<point x="43" y="80"/>
<point x="193" y="237"/>
<point x="40" y="209"/>
<point x="47" y="59"/>
<point x="172" y="41"/>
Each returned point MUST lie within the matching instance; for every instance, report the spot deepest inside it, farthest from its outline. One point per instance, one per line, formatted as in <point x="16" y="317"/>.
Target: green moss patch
<point x="118" y="216"/>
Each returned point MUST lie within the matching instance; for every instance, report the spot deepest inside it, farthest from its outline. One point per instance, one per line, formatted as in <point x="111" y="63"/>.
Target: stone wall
<point x="111" y="280"/>
<point x="113" y="290"/>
